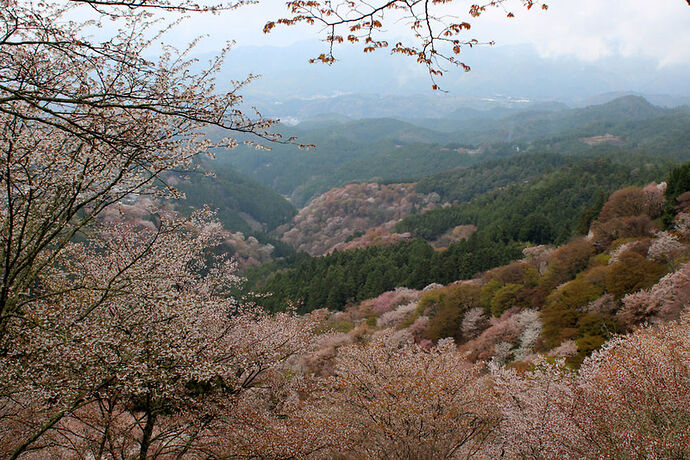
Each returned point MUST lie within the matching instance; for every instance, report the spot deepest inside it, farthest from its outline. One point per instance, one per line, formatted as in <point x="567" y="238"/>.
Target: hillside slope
<point x="241" y="203"/>
<point x="343" y="214"/>
<point x="386" y="150"/>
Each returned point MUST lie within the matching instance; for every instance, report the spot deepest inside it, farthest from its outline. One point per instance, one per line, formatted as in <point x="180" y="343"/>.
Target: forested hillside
<point x="390" y="150"/>
<point x="547" y="209"/>
<point x="340" y="278"/>
<point x="552" y="208"/>
<point x="241" y="203"/>
<point x="344" y="214"/>
<point x="463" y="184"/>
<point x="531" y="125"/>
<point x="567" y="300"/>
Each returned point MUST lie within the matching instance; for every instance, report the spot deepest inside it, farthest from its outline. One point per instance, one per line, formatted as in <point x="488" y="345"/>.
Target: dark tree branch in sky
<point x="436" y="38"/>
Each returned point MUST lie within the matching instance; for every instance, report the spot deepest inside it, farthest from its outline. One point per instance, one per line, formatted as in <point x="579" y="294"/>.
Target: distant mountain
<point x="376" y="130"/>
<point x="381" y="85"/>
<point x="390" y="150"/>
<point x="412" y="107"/>
<point x="662" y="100"/>
<point x="625" y="108"/>
<point x="529" y="125"/>
<point x="493" y="113"/>
<point x="323" y="120"/>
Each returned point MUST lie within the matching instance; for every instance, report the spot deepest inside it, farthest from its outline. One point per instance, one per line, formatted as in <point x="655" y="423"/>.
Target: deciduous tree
<point x="84" y="123"/>
<point x="138" y="346"/>
<point x="437" y="32"/>
<point x="628" y="400"/>
<point x="398" y="400"/>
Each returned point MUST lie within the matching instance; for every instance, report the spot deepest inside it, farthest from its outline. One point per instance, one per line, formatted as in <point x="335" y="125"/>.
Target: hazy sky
<point x="586" y="29"/>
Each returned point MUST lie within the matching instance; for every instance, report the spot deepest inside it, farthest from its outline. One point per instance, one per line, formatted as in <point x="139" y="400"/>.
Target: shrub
<point x="631" y="273"/>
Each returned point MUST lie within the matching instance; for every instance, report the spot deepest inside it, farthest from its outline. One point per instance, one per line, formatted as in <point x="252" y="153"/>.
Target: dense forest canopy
<point x="543" y="210"/>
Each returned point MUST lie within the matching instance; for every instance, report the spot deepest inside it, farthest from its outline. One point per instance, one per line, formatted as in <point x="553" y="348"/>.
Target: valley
<point x="545" y="189"/>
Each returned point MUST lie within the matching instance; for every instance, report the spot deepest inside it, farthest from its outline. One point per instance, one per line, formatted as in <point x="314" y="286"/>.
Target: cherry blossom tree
<point x="131" y="325"/>
<point x="138" y="346"/>
<point x="84" y="123"/>
<point x="629" y="400"/>
<point x="397" y="400"/>
<point x="665" y="246"/>
<point x="664" y="301"/>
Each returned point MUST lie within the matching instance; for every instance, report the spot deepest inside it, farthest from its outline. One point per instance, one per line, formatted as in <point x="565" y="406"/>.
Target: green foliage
<point x="631" y="273"/>
<point x="507" y="297"/>
<point x="446" y="323"/>
<point x="593" y="329"/>
<point x="545" y="210"/>
<point x="463" y="184"/>
<point x="487" y="293"/>
<point x="585" y="346"/>
<point x="658" y="135"/>
<point x="590" y="214"/>
<point x="446" y="308"/>
<point x="339" y="278"/>
<point x="340" y="325"/>
<point x="678" y="182"/>
<point x="595" y="324"/>
<point x="516" y="272"/>
<point x="601" y="259"/>
<point x="562" y="313"/>
<point x="456" y="296"/>
<point x="574" y="294"/>
<point x="527" y="126"/>
<point x="596" y="274"/>
<point x="231" y="194"/>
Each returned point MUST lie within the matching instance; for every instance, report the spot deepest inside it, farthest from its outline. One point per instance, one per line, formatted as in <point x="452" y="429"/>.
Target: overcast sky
<point x="586" y="29"/>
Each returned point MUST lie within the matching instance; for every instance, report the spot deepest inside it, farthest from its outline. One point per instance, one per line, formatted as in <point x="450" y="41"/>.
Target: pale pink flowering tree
<point x="566" y="349"/>
<point x="665" y="246"/>
<point x="504" y="330"/>
<point x="397" y="400"/>
<point x="533" y="408"/>
<point x="84" y="123"/>
<point x="654" y="193"/>
<point x="138" y="337"/>
<point x="474" y="322"/>
<point x="630" y="399"/>
<point x="418" y="328"/>
<point x="664" y="301"/>
<point x="530" y="325"/>
<point x="125" y="328"/>
<point x="538" y="256"/>
<point x="395" y="317"/>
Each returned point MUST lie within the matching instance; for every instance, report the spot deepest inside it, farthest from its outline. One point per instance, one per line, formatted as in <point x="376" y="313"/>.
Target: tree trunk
<point x="146" y="436"/>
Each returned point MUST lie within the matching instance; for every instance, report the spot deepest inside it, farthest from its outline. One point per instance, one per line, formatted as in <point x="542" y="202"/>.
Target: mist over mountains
<point x="503" y="78"/>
